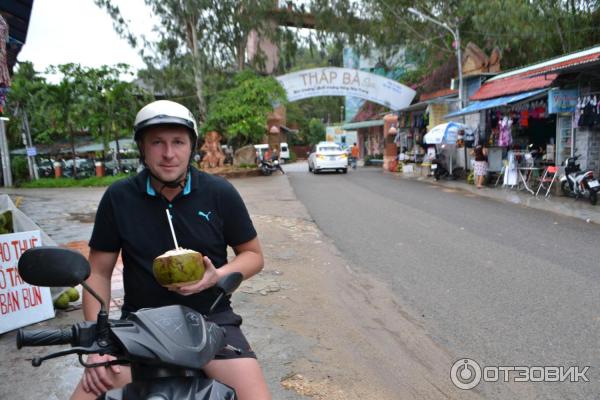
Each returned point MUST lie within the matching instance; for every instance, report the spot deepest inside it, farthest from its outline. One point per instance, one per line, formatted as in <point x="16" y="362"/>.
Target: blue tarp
<point x="497" y="102"/>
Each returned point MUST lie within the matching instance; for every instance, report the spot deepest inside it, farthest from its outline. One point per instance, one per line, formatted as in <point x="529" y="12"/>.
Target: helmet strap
<point x="176" y="183"/>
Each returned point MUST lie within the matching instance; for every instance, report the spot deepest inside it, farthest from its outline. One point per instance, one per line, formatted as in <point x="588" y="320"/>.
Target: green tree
<point x="111" y="103"/>
<point x="209" y="33"/>
<point x="524" y="31"/>
<point x="316" y="131"/>
<point x="28" y="96"/>
<point x="240" y="112"/>
<point x="95" y="101"/>
<point x="67" y="108"/>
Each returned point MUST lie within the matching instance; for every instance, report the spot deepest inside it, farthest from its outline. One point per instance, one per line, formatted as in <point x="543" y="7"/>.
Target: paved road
<point x="499" y="283"/>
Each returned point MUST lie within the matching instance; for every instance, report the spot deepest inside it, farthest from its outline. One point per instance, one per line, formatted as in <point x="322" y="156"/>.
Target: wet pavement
<point x="562" y="205"/>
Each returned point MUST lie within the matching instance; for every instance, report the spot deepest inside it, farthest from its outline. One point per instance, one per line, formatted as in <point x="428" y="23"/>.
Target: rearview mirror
<point x="53" y="266"/>
<point x="229" y="283"/>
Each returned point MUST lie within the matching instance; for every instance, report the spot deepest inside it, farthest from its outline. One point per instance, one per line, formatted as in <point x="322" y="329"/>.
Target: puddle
<point x="86" y="218"/>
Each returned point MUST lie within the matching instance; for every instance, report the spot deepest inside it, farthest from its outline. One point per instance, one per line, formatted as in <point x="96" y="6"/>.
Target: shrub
<point x="20" y="169"/>
<point x="471" y="178"/>
<point x="70" y="182"/>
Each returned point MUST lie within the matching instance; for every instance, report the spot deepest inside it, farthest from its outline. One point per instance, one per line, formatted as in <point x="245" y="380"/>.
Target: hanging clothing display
<point x="587" y="112"/>
<point x="505" y="138"/>
<point x="524" y="119"/>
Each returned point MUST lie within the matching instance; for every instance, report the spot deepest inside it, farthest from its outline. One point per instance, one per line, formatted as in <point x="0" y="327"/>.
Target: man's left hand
<point x="210" y="278"/>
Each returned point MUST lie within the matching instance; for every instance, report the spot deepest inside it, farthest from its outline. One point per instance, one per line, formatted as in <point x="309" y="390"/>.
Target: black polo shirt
<point x="208" y="215"/>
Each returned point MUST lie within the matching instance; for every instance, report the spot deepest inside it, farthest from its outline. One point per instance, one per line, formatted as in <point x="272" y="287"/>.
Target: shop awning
<point x="497" y="102"/>
<point x="362" y="124"/>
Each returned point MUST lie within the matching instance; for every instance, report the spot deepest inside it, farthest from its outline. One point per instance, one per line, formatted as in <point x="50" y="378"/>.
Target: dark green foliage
<point x="19" y="168"/>
<point x="240" y="112"/>
<point x="90" y="101"/>
<point x="316" y="131"/>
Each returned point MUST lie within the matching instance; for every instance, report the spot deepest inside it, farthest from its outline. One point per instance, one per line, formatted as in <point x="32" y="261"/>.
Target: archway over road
<point x="335" y="81"/>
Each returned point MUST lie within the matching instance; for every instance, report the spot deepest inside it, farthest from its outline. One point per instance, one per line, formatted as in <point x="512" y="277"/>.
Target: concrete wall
<point x="594" y="151"/>
<point x="587" y="144"/>
<point x="436" y="114"/>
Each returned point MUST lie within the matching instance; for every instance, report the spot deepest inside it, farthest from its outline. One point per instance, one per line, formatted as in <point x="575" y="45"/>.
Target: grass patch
<point x="70" y="182"/>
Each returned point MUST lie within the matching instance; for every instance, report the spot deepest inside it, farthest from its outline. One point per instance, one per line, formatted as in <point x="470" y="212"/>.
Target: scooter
<point x="166" y="347"/>
<point x="579" y="183"/>
<point x="438" y="169"/>
<point x="268" y="167"/>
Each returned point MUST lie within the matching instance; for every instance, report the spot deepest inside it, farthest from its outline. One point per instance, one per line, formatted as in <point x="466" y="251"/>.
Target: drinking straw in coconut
<point x="172" y="230"/>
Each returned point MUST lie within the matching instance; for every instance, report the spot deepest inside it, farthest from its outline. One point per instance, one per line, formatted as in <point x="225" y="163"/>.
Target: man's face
<point x="167" y="150"/>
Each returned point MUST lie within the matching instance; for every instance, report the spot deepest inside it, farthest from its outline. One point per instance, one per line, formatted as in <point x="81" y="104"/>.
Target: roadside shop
<point x="415" y="121"/>
<point x="537" y="116"/>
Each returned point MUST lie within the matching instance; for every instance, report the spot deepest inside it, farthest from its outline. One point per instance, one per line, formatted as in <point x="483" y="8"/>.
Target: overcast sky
<point x="78" y="31"/>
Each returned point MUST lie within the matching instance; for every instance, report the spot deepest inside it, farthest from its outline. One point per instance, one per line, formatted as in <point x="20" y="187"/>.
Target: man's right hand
<point x="99" y="379"/>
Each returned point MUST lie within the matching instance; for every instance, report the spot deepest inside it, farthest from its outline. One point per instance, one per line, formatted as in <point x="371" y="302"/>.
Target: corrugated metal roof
<point x="535" y="76"/>
<point x="513" y="85"/>
<point x="438" y="93"/>
<point x="554" y="63"/>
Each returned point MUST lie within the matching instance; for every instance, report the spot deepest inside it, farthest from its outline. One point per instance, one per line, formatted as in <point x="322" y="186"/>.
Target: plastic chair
<point x="547" y="180"/>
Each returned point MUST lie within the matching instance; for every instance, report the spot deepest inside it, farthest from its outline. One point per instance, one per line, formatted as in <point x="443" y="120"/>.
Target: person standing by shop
<point x="480" y="166"/>
<point x="354" y="153"/>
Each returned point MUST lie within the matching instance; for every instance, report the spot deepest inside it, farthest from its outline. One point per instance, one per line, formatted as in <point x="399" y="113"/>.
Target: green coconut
<point x="6" y="222"/>
<point x="178" y="267"/>
<point x="62" y="301"/>
<point x="73" y="294"/>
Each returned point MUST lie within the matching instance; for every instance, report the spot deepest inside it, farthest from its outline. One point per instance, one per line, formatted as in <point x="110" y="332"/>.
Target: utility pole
<point x="456" y="35"/>
<point x="31" y="153"/>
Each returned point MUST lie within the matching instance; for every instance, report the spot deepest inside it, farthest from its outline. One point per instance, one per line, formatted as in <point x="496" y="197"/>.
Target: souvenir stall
<point x="524" y="133"/>
<point x="412" y="127"/>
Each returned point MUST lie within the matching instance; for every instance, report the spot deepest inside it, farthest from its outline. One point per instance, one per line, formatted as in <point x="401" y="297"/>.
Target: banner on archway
<point x="346" y="82"/>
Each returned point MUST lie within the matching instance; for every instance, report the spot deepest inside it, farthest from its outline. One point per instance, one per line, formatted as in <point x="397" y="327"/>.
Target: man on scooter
<point x="208" y="215"/>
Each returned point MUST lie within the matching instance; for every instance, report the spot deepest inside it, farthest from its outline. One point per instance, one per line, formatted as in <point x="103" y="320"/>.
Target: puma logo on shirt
<point x="205" y="215"/>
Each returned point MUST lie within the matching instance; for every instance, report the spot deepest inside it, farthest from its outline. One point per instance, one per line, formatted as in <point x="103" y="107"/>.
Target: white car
<point x="327" y="156"/>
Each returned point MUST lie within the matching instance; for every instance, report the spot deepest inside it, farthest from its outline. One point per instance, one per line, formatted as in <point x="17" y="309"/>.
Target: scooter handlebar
<point x="44" y="337"/>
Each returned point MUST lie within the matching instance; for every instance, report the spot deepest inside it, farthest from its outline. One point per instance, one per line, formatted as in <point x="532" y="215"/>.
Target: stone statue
<point x="211" y="149"/>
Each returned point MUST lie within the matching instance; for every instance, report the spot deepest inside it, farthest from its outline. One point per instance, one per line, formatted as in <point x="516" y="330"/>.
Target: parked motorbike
<point x="268" y="167"/>
<point x="166" y="347"/>
<point x="438" y="169"/>
<point x="579" y="183"/>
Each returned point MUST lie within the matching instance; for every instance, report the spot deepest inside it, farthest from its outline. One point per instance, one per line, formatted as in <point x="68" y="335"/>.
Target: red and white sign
<point x="20" y="303"/>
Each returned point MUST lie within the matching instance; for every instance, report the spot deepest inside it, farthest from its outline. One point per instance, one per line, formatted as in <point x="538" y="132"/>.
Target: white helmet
<point x="164" y="112"/>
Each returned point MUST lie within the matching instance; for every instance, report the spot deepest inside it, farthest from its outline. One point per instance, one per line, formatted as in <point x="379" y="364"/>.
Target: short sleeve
<point x="105" y="235"/>
<point x="237" y="225"/>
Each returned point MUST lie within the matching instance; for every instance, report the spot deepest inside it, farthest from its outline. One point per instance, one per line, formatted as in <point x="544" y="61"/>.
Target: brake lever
<point x="37" y="361"/>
